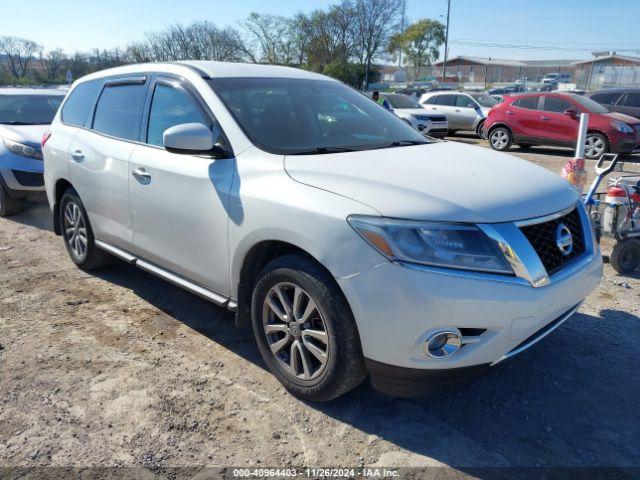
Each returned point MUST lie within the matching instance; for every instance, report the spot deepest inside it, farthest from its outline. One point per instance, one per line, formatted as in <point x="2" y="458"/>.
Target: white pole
<point x="582" y="135"/>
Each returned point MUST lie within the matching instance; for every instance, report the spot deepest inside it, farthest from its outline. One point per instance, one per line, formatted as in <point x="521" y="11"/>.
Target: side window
<point x="447" y="100"/>
<point x="607" y="98"/>
<point x="432" y="100"/>
<point x="556" y="104"/>
<point x="169" y="107"/>
<point x="119" y="110"/>
<point x="530" y="103"/>
<point x="632" y="100"/>
<point x="76" y="109"/>
<point x="464" y="101"/>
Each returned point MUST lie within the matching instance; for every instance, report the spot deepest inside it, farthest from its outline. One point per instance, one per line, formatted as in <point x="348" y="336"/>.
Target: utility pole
<point x="404" y="9"/>
<point x="446" y="42"/>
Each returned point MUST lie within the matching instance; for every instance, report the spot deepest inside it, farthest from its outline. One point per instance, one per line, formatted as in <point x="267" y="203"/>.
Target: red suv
<point x="553" y="119"/>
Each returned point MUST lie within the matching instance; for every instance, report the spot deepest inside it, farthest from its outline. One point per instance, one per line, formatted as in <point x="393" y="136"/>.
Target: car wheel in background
<point x="77" y="234"/>
<point x="596" y="145"/>
<point x="8" y="205"/>
<point x="305" y="330"/>
<point x="625" y="256"/>
<point x="500" y="138"/>
<point x="479" y="129"/>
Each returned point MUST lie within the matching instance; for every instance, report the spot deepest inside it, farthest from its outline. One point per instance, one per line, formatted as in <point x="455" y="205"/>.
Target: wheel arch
<point x="61" y="186"/>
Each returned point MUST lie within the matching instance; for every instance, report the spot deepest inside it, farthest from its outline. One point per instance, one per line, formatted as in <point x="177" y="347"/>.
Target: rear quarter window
<point x="77" y="107"/>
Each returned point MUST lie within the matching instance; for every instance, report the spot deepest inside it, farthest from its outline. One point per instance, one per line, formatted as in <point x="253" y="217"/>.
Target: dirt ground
<point x="120" y="368"/>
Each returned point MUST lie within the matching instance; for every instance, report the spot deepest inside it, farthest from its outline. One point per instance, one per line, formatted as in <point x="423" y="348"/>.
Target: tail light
<point x="45" y="136"/>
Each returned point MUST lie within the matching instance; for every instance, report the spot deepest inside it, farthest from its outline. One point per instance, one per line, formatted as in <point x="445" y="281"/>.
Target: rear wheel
<point x="479" y="129"/>
<point x="500" y="139"/>
<point x="305" y="330"/>
<point x="625" y="256"/>
<point x="78" y="235"/>
<point x="8" y="205"/>
<point x="596" y="145"/>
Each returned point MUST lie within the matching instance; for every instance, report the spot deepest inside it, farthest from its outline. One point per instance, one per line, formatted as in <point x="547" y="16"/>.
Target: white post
<point x="582" y="135"/>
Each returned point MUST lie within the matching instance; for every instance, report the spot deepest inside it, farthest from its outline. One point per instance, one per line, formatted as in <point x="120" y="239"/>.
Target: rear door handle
<point x="141" y="175"/>
<point x="509" y="112"/>
<point x="544" y="117"/>
<point x="77" y="156"/>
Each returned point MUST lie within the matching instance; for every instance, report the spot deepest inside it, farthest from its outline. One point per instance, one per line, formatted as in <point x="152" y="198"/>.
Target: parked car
<point x="25" y="115"/>
<point x="556" y="78"/>
<point x="507" y="89"/>
<point x="414" y="93"/>
<point x="415" y="115"/>
<point x="464" y="111"/>
<point x="352" y="245"/>
<point x="622" y="100"/>
<point x="553" y="119"/>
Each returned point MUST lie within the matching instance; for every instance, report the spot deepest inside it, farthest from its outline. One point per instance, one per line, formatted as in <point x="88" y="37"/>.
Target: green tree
<point x="420" y="42"/>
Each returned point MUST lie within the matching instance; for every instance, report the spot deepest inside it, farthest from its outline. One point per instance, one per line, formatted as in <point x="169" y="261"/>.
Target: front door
<point x="466" y="112"/>
<point x="179" y="202"/>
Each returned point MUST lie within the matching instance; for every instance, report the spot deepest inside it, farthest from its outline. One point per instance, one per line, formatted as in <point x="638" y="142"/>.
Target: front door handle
<point x="509" y="112"/>
<point x="77" y="156"/>
<point x="141" y="175"/>
<point x="544" y="117"/>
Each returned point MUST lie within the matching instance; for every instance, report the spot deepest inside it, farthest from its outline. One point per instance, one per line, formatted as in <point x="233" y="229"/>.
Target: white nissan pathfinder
<point x="349" y="243"/>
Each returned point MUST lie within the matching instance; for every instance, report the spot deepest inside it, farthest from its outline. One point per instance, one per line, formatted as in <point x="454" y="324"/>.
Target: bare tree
<point x="376" y="21"/>
<point x="19" y="52"/>
<point x="274" y="37"/>
<point x="52" y="63"/>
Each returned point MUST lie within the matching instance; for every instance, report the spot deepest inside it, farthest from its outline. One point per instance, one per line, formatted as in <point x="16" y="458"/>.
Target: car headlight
<point x="22" y="149"/>
<point x="621" y="126"/>
<point x="449" y="245"/>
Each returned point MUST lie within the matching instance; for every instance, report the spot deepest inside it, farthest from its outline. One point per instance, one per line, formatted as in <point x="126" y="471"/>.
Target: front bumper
<point x="21" y="175"/>
<point x="397" y="307"/>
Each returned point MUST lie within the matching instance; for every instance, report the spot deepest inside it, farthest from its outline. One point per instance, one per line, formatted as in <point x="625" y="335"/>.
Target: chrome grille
<point x="542" y="237"/>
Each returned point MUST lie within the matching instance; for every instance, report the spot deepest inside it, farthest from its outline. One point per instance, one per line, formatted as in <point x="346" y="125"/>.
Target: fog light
<point x="443" y="343"/>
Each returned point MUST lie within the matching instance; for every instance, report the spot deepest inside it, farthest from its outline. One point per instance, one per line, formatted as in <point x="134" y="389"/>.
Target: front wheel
<point x="596" y="145"/>
<point x="305" y="330"/>
<point x="500" y="139"/>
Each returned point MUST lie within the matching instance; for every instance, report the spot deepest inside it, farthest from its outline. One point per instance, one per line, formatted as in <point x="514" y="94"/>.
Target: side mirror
<point x="188" y="138"/>
<point x="571" y="112"/>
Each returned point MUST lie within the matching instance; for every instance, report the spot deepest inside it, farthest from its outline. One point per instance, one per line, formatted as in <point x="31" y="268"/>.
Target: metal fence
<point x="588" y="78"/>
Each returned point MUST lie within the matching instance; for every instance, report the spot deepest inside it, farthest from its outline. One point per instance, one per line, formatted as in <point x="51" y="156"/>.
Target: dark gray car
<point x="623" y="100"/>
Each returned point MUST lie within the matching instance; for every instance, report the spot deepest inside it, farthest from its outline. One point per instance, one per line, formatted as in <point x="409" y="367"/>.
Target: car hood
<point x="30" y="134"/>
<point x="442" y="181"/>
<point x="413" y="111"/>
<point x="623" y="117"/>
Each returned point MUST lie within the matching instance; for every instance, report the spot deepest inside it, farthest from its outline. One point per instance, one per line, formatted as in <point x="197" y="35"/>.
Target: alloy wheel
<point x="499" y="139"/>
<point x="594" y="146"/>
<point x="75" y="230"/>
<point x="295" y="331"/>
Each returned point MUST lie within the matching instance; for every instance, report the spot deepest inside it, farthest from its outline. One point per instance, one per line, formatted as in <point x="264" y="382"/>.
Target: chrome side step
<point x="169" y="277"/>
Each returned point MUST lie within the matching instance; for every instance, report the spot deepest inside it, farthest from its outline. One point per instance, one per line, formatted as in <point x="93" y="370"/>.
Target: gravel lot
<point x="123" y="369"/>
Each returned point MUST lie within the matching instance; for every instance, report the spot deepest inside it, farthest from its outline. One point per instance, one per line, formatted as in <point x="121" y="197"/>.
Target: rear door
<point x="99" y="158"/>
<point x="555" y="125"/>
<point x="629" y="104"/>
<point x="179" y="208"/>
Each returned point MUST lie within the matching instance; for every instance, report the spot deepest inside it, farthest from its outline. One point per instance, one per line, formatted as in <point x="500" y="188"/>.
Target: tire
<point x="596" y="146"/>
<point x="625" y="256"/>
<point x="479" y="129"/>
<point x="8" y="205"/>
<point x="335" y="332"/>
<point x="78" y="235"/>
<point x="500" y="139"/>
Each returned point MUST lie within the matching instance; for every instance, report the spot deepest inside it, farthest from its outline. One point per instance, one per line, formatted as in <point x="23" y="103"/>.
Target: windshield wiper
<point x="321" y="150"/>
<point x="404" y="143"/>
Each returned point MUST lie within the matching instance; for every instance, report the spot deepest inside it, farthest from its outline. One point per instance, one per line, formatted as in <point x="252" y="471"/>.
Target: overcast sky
<point x="532" y="29"/>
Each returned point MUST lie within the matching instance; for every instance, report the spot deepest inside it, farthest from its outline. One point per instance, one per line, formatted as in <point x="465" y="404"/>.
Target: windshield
<point x="485" y="100"/>
<point x="299" y="116"/>
<point x="29" y="109"/>
<point x="402" y="101"/>
<point x="590" y="105"/>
